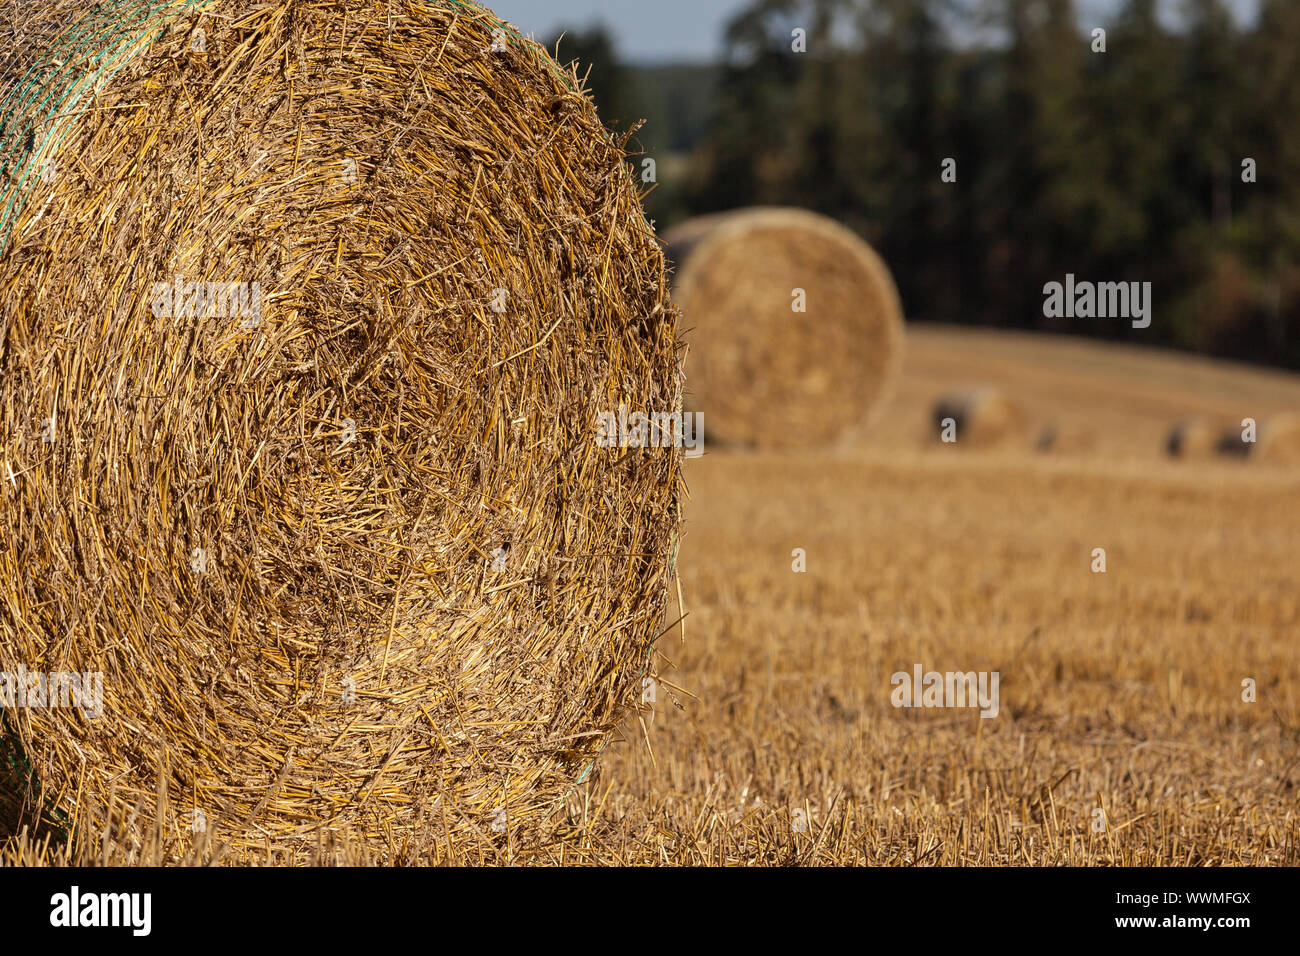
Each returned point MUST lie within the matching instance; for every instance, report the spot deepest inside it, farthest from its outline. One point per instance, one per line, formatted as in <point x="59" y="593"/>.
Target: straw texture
<point x="309" y="312"/>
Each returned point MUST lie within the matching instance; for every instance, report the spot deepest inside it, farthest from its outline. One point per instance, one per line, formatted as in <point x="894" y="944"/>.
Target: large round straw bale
<point x="982" y="417"/>
<point x="339" y="538"/>
<point x="1279" y="440"/>
<point x="762" y="373"/>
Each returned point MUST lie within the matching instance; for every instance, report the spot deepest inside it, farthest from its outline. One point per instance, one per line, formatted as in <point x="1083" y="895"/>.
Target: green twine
<point x="53" y="86"/>
<point x="21" y="773"/>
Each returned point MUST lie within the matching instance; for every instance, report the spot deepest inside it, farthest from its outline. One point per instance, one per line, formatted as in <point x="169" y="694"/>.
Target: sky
<point x="666" y="30"/>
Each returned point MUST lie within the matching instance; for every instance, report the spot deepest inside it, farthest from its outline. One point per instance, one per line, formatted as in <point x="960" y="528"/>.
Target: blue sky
<point x="651" y="30"/>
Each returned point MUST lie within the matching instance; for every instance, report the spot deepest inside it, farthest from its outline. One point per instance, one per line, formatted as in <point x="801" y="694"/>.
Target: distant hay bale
<point x="1200" y="438"/>
<point x="762" y="373"/>
<point x="310" y="310"/>
<point x="1068" y="438"/>
<point x="1279" y="440"/>
<point x="984" y="418"/>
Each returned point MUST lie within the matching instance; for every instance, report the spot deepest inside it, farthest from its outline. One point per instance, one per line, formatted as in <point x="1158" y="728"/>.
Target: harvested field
<point x="1120" y="691"/>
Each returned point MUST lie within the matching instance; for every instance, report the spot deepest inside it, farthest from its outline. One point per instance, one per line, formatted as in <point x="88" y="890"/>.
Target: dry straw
<point x="1279" y="440"/>
<point x="983" y="417"/>
<point x="763" y="373"/>
<point x="339" y="536"/>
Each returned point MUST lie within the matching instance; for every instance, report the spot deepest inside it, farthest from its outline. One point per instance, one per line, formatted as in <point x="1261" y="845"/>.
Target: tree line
<point x="987" y="148"/>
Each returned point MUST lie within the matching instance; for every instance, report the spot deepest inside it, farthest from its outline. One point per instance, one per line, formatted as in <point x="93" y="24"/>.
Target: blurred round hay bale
<point x="761" y="373"/>
<point x="1199" y="438"/>
<point x="983" y="418"/>
<point x="1231" y="444"/>
<point x="338" y="536"/>
<point x="1279" y="440"/>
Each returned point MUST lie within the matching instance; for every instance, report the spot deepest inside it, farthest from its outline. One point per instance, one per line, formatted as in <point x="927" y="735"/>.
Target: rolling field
<point x="773" y="739"/>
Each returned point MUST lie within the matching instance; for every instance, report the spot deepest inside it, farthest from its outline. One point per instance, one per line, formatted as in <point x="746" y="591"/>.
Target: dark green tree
<point x="593" y="53"/>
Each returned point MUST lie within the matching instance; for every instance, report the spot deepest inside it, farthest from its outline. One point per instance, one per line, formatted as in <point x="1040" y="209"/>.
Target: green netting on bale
<point x="38" y="107"/>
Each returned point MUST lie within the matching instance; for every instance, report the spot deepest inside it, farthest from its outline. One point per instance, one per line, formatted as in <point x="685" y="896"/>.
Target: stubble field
<point x="1120" y="691"/>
